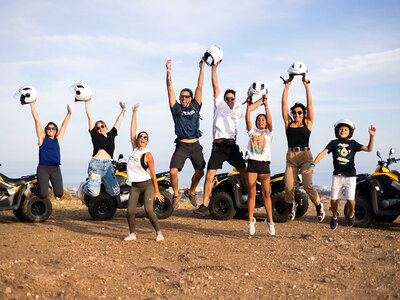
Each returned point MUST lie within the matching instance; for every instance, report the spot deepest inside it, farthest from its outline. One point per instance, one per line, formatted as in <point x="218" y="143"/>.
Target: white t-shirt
<point x="134" y="169"/>
<point x="226" y="120"/>
<point x="259" y="147"/>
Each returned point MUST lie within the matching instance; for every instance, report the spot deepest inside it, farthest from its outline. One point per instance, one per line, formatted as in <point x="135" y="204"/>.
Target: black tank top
<point x="298" y="137"/>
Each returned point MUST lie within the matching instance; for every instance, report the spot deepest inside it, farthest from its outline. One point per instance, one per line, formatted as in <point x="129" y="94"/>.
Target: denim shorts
<point x="101" y="170"/>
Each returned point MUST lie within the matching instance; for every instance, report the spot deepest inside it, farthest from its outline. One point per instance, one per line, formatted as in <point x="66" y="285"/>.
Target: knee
<point x="200" y="173"/>
<point x="91" y="190"/>
<point x="59" y="194"/>
<point x="173" y="172"/>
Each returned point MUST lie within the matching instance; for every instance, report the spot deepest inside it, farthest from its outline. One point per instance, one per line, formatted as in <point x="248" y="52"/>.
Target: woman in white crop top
<point x="141" y="174"/>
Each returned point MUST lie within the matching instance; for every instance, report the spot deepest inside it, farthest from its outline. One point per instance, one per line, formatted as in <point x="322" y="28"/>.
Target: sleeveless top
<point x="136" y="170"/>
<point x="49" y="152"/>
<point x="298" y="137"/>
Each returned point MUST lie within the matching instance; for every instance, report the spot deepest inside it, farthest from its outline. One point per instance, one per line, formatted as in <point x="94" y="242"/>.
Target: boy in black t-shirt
<point x="344" y="174"/>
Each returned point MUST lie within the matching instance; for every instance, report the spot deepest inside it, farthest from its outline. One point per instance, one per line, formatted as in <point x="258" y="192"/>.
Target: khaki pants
<point x="296" y="161"/>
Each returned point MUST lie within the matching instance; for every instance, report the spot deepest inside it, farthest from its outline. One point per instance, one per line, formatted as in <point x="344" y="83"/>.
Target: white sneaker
<point x="252" y="227"/>
<point x="159" y="237"/>
<point x="270" y="227"/>
<point x="79" y="192"/>
<point x="130" y="237"/>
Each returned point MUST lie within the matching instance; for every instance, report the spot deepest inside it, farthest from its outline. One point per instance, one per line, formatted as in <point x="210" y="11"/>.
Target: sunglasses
<point x="51" y="128"/>
<point x="143" y="137"/>
<point x="101" y="126"/>
<point x="230" y="98"/>
<point x="297" y="112"/>
<point x="184" y="96"/>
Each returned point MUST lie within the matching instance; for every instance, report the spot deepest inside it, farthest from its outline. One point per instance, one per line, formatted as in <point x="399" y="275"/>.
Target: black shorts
<point x="183" y="151"/>
<point x="259" y="167"/>
<point x="222" y="152"/>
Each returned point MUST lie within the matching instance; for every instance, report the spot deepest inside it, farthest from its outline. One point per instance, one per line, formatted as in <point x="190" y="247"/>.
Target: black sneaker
<point x="320" y="212"/>
<point x="192" y="197"/>
<point x="202" y="210"/>
<point x="175" y="201"/>
<point x="334" y="222"/>
<point x="350" y="221"/>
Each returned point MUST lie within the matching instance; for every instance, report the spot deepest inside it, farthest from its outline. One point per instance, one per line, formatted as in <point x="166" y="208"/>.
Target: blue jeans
<point x="98" y="170"/>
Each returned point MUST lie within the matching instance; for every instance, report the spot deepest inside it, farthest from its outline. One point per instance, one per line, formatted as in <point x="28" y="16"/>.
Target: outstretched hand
<point x="265" y="100"/>
<point x="306" y="81"/>
<point x="308" y="171"/>
<point x="122" y="104"/>
<point x="135" y="108"/>
<point x="201" y="63"/>
<point x="159" y="197"/>
<point x="215" y="65"/>
<point x="372" y="130"/>
<point x="68" y="109"/>
<point x="168" y="65"/>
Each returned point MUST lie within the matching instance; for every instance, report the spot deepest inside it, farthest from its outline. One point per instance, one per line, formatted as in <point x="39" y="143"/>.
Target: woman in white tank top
<point x="141" y="174"/>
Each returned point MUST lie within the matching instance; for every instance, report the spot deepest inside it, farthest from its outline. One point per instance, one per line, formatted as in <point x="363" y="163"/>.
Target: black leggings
<point x="145" y="189"/>
<point x="44" y="174"/>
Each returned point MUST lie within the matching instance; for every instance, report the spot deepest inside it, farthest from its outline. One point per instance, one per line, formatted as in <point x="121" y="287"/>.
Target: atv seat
<point x="17" y="181"/>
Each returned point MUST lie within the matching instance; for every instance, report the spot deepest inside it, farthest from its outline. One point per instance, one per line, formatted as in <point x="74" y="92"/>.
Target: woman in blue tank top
<point x="49" y="141"/>
<point x="298" y="128"/>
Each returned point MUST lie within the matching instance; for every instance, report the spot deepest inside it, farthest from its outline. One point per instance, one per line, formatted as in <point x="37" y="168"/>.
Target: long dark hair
<point x="303" y="108"/>
<point x="261" y="115"/>
<point x="51" y="123"/>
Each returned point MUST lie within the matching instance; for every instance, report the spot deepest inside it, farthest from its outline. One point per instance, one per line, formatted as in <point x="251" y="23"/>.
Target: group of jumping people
<point x="186" y="116"/>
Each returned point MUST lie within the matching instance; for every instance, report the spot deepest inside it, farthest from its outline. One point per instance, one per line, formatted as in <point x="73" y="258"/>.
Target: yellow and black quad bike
<point x="14" y="196"/>
<point x="227" y="199"/>
<point x="378" y="194"/>
<point x="104" y="206"/>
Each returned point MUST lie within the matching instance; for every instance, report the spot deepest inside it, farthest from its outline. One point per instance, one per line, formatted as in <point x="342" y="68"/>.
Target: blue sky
<point x="351" y="48"/>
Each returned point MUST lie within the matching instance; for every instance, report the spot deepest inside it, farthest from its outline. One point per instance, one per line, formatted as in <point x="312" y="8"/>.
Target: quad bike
<point x="14" y="196"/>
<point x="227" y="199"/>
<point x="378" y="194"/>
<point x="104" y="206"/>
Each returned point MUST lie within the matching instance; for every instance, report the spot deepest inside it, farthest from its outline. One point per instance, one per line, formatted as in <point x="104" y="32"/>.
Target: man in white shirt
<point x="225" y="124"/>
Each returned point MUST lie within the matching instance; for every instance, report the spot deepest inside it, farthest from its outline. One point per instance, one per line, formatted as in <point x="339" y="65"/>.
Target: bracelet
<point x="311" y="166"/>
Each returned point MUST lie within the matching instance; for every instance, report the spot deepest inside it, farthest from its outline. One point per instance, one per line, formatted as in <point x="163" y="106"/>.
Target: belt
<point x="296" y="149"/>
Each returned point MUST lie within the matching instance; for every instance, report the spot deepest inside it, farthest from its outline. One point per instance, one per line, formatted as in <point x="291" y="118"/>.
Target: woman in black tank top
<point x="298" y="126"/>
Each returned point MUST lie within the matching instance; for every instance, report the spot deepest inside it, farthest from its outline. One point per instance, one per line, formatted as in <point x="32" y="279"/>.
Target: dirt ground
<point x="73" y="257"/>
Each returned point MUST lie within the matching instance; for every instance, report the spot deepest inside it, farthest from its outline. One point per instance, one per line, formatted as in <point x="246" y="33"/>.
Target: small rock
<point x="7" y="290"/>
<point x="246" y="274"/>
<point x="312" y="258"/>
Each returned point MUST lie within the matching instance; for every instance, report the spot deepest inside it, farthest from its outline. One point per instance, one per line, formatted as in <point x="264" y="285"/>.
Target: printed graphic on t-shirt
<point x="343" y="154"/>
<point x="258" y="142"/>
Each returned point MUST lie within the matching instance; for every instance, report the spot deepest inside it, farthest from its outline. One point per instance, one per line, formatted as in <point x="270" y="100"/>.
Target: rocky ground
<point x="71" y="256"/>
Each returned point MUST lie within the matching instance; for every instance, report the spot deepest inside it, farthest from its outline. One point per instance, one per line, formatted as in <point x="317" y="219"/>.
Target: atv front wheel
<point x="102" y="207"/>
<point x="164" y="209"/>
<point x="280" y="211"/>
<point x="36" y="209"/>
<point x="221" y="206"/>
<point x="363" y="214"/>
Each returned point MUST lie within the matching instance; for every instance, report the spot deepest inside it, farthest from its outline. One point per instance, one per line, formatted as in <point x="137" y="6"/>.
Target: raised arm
<point x="170" y="90"/>
<point x="310" y="112"/>
<point x="249" y="109"/>
<point x="89" y="115"/>
<point x="267" y="113"/>
<point x="134" y="126"/>
<point x="120" y="116"/>
<point x="214" y="79"/>
<point x="320" y="156"/>
<point x="199" y="89"/>
<point x="39" y="131"/>
<point x="150" y="162"/>
<point x="372" y="131"/>
<point x="285" y="108"/>
<point x="64" y="124"/>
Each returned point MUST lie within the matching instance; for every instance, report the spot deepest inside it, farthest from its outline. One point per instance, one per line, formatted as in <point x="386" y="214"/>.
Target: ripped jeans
<point x="98" y="170"/>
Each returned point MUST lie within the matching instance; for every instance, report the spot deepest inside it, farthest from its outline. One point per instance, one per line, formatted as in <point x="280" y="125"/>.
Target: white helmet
<point x="213" y="55"/>
<point x="257" y="88"/>
<point x="82" y="92"/>
<point x="298" y="68"/>
<point x="26" y="94"/>
<point x="344" y="122"/>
